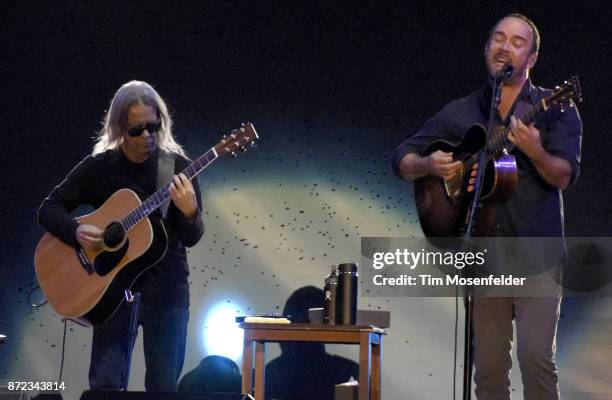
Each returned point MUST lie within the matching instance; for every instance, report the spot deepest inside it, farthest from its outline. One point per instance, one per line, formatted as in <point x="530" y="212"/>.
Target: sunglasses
<point x="138" y="130"/>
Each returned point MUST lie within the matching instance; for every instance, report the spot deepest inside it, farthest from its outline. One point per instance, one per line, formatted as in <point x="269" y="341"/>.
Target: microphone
<point x="505" y="71"/>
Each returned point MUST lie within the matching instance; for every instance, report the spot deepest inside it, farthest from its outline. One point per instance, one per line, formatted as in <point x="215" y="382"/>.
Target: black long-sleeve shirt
<point x="93" y="181"/>
<point x="536" y="208"/>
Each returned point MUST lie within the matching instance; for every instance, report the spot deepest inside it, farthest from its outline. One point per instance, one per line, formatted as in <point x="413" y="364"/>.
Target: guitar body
<point x="442" y="204"/>
<point x="88" y="286"/>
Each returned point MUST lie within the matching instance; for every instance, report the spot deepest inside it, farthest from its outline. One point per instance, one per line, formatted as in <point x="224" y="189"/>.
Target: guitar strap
<point x="165" y="172"/>
<point x="521" y="108"/>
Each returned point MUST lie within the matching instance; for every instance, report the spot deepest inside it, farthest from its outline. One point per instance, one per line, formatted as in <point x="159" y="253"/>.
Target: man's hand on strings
<point x="90" y="237"/>
<point x="526" y="138"/>
<point x="441" y="164"/>
<point x="183" y="195"/>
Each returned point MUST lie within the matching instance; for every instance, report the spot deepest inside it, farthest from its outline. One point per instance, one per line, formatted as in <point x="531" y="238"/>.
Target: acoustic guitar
<point x="442" y="204"/>
<point x="87" y="286"/>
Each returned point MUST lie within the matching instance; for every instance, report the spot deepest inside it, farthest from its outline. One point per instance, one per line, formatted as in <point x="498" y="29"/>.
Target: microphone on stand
<point x="504" y="73"/>
<point x="506" y="70"/>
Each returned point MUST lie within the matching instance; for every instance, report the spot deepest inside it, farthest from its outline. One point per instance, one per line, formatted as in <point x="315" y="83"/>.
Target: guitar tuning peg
<point x="243" y="149"/>
<point x="224" y="136"/>
<point x="234" y="155"/>
<point x="253" y="144"/>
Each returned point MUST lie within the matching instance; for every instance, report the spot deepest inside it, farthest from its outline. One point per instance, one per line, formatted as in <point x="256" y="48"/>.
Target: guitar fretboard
<point x="497" y="144"/>
<point x="153" y="202"/>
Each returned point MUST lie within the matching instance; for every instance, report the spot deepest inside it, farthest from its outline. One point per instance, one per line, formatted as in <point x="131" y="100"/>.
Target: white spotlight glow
<point x="222" y="336"/>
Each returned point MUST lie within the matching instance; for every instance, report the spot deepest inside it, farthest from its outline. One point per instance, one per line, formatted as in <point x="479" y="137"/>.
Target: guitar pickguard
<point x="106" y="261"/>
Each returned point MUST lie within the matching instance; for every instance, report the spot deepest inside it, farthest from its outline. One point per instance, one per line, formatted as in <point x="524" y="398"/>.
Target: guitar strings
<point x="145" y="208"/>
<point x="497" y="144"/>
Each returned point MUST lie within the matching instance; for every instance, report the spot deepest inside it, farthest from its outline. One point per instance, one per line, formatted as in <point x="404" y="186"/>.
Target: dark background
<point x="377" y="69"/>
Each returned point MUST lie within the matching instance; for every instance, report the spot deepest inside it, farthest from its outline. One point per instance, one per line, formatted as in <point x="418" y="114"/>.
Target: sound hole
<point x="113" y="235"/>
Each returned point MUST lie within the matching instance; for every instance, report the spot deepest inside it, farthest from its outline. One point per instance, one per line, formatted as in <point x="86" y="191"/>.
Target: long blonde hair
<point x="115" y="120"/>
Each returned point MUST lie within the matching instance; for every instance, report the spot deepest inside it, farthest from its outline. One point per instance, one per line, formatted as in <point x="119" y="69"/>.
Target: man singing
<point x="137" y="131"/>
<point x="548" y="161"/>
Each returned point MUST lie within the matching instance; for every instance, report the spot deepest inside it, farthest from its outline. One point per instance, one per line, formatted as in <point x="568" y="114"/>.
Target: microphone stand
<point x="133" y="299"/>
<point x="470" y="229"/>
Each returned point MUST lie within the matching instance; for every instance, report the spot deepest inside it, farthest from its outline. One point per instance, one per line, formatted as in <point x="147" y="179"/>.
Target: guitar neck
<point x="496" y="145"/>
<point x="154" y="201"/>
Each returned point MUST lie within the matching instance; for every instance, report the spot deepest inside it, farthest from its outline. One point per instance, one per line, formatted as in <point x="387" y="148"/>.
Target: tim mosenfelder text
<point x="456" y="259"/>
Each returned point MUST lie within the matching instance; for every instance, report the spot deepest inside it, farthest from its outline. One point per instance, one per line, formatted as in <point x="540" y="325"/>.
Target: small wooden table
<point x="368" y="338"/>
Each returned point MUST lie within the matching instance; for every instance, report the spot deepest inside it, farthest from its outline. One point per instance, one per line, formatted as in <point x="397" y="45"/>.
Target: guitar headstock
<point x="560" y="97"/>
<point x="238" y="140"/>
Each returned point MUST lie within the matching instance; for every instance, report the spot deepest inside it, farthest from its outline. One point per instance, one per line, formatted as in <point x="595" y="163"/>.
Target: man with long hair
<point x="137" y="131"/>
<point x="548" y="160"/>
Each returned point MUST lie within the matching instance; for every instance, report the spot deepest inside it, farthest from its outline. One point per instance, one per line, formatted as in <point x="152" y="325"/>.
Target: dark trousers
<point x="536" y="324"/>
<point x="164" y="334"/>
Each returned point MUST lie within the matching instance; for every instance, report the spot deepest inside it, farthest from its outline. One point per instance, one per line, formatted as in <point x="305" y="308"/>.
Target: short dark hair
<point x="535" y="44"/>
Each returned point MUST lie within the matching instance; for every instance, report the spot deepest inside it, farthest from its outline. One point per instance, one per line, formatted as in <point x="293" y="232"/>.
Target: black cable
<point x="42" y="303"/>
<point x="63" y="352"/>
<point x="456" y="339"/>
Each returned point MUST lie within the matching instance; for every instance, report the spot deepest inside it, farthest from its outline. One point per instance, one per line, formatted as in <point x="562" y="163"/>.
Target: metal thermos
<point x="331" y="292"/>
<point x="346" y="301"/>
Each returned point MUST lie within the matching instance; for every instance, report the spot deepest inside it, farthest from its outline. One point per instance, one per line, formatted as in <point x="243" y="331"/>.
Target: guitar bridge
<point x="84" y="261"/>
